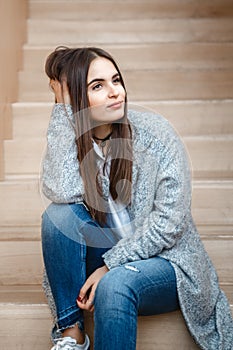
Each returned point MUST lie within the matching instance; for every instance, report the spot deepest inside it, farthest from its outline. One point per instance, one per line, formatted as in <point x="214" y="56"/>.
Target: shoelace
<point x="67" y="344"/>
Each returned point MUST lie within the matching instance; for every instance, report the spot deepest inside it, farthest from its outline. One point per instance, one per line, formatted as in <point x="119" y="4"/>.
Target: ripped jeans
<point x="73" y="245"/>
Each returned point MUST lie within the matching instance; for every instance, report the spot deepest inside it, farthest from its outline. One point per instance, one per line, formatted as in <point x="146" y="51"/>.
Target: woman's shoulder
<point x="151" y="124"/>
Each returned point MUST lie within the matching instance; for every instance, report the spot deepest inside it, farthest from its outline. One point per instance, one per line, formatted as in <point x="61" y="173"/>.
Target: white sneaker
<point x="68" y="343"/>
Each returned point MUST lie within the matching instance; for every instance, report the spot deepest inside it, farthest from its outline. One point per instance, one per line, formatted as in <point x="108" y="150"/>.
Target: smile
<point x="115" y="105"/>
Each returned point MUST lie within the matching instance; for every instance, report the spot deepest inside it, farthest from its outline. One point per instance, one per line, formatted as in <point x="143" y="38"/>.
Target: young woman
<point x="118" y="238"/>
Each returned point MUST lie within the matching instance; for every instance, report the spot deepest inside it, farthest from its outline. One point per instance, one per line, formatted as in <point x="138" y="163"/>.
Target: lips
<point x="115" y="105"/>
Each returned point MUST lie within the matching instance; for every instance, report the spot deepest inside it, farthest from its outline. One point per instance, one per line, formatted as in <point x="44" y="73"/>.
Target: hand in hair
<point x="60" y="90"/>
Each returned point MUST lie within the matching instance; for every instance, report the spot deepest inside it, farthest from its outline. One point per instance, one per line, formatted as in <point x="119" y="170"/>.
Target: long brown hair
<point x="72" y="65"/>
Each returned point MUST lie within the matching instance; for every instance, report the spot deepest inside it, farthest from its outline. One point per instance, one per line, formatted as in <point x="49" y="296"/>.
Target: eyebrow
<point x="101" y="79"/>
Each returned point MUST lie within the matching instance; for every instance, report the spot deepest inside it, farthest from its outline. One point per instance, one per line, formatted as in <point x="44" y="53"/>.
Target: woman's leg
<point x="145" y="287"/>
<point x="66" y="231"/>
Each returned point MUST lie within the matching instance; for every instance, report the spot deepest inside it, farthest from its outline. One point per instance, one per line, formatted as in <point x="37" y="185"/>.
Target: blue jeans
<point x="73" y="245"/>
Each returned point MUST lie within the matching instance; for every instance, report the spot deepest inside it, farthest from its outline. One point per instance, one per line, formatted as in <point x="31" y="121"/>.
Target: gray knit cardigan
<point x="160" y="210"/>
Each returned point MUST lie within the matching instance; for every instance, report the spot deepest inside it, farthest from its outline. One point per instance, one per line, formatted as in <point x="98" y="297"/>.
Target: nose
<point x="113" y="91"/>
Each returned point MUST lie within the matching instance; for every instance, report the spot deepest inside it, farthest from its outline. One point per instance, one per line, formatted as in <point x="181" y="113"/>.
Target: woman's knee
<point x="114" y="291"/>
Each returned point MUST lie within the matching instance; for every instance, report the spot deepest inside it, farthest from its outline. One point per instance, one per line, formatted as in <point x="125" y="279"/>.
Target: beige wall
<point x="13" y="14"/>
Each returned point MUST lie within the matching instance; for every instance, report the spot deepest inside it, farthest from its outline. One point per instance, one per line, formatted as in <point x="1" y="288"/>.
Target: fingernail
<point x="79" y="298"/>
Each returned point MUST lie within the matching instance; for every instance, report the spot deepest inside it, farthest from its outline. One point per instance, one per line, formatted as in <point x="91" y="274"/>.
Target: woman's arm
<point x="165" y="224"/>
<point x="61" y="181"/>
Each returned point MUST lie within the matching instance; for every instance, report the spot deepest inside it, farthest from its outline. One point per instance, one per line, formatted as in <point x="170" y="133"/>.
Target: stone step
<point x="30" y="120"/>
<point x="32" y="232"/>
<point x="190" y="118"/>
<point x="79" y="10"/>
<point x="154" y="85"/>
<point x="26" y="231"/>
<point x="25" y="309"/>
<point x="150" y="56"/>
<point x="24" y="156"/>
<point x="34" y="294"/>
<point x="22" y="205"/>
<point x="22" y="263"/>
<point x="212" y="204"/>
<point x="22" y="294"/>
<point x="55" y="32"/>
<point x="211" y="156"/>
<point x="32" y="324"/>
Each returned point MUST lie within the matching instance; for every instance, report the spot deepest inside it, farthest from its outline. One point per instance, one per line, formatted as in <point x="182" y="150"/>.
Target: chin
<point x="110" y="116"/>
<point x="116" y="117"/>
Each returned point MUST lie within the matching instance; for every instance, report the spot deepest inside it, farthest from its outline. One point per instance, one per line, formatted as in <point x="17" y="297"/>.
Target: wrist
<point x="105" y="268"/>
<point x="63" y="100"/>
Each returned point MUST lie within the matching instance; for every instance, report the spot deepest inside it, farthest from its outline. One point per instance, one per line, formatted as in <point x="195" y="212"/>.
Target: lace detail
<point x="68" y="343"/>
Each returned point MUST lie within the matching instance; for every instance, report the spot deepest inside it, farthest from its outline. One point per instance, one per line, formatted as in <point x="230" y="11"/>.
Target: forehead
<point x="101" y="67"/>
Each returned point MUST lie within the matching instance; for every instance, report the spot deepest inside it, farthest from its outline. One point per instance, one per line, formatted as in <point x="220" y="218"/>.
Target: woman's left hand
<point x="60" y="90"/>
<point x="87" y="292"/>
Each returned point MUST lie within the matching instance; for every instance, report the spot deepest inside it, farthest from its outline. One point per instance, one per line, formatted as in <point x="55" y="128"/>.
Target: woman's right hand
<point x="60" y="90"/>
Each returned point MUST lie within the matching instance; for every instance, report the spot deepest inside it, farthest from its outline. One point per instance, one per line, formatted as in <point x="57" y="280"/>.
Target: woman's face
<point x="105" y="92"/>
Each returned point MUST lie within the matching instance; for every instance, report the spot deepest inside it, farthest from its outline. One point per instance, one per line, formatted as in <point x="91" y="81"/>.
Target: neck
<point x="103" y="131"/>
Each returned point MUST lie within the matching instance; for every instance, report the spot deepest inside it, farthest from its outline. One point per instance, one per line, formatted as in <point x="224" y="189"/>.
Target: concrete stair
<point x="176" y="57"/>
<point x="189" y="117"/>
<point x="171" y="55"/>
<point x="86" y="32"/>
<point x="32" y="319"/>
<point x="128" y="9"/>
<point x="211" y="156"/>
<point x="154" y="85"/>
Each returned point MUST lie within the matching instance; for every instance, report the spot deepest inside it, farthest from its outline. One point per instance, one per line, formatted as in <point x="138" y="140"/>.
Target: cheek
<point x="91" y="100"/>
<point x="98" y="112"/>
<point x="95" y="99"/>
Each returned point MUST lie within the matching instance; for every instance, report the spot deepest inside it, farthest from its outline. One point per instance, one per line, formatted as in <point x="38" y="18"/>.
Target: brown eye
<point x="117" y="80"/>
<point x="97" y="86"/>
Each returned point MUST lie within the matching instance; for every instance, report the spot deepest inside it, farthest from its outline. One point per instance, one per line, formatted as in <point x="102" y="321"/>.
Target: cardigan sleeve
<point x="163" y="226"/>
<point x="61" y="180"/>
